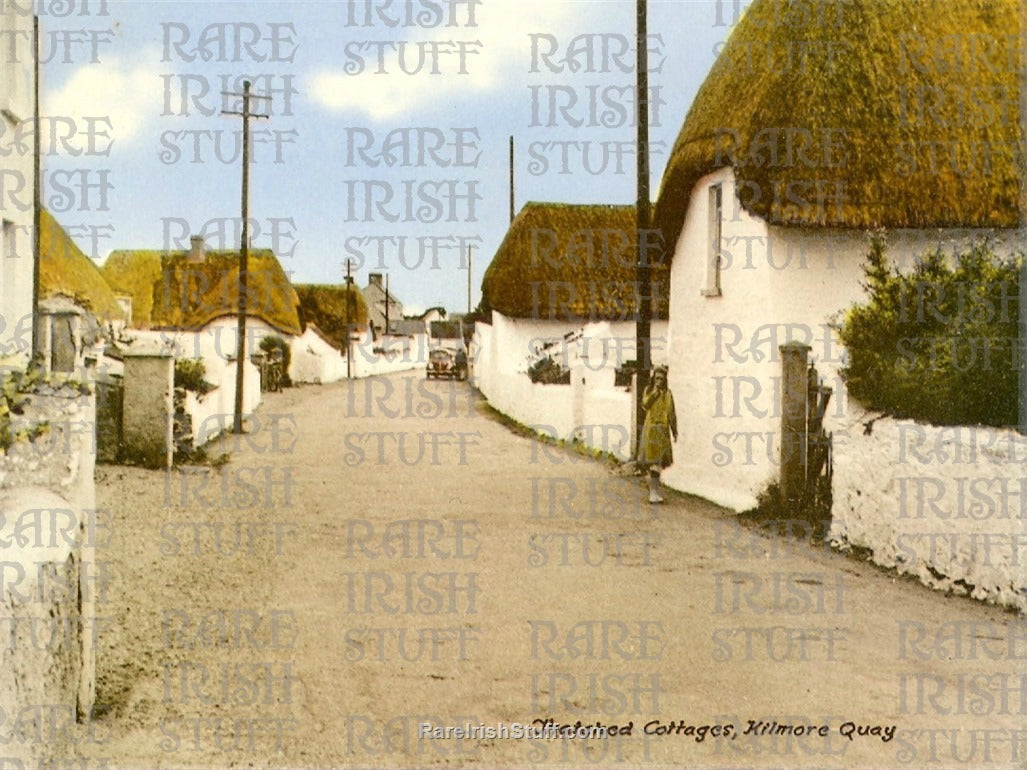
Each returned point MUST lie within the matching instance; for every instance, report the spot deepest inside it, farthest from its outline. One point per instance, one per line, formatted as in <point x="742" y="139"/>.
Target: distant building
<point x="377" y="301"/>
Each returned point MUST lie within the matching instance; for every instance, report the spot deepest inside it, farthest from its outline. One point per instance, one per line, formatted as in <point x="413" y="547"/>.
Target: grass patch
<point x="574" y="447"/>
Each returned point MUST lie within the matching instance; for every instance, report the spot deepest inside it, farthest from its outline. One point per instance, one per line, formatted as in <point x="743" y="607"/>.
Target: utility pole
<point x="468" y="279"/>
<point x="1022" y="321"/>
<point x="349" y="340"/>
<point x="244" y="250"/>
<point x="386" y="303"/>
<point x="511" y="179"/>
<point x="37" y="194"/>
<point x="642" y="271"/>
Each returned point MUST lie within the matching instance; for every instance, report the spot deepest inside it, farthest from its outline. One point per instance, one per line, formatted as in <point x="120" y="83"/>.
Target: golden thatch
<point x="65" y="270"/>
<point x="572" y="262"/>
<point x="860" y="113"/>
<point x="325" y="307"/>
<point x="170" y="292"/>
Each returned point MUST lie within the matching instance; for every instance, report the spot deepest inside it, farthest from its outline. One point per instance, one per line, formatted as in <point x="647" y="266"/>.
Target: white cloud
<point x="129" y="95"/>
<point x="503" y="27"/>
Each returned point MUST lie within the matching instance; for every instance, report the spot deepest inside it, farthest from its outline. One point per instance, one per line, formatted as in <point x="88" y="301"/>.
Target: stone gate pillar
<point x="148" y="410"/>
<point x="794" y="394"/>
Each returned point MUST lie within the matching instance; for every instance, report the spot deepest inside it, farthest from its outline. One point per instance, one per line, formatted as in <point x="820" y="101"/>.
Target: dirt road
<point x="380" y="555"/>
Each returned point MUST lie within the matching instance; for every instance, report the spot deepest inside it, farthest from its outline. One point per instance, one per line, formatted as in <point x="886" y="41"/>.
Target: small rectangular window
<point x="713" y="232"/>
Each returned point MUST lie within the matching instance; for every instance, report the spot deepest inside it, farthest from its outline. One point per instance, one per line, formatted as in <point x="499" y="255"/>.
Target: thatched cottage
<point x="198" y="290"/>
<point x="191" y="299"/>
<point x="811" y="130"/>
<point x="76" y="305"/>
<point x="562" y="286"/>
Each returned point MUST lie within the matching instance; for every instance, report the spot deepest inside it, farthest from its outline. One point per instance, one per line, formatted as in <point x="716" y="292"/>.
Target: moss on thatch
<point x="325" y="307"/>
<point x="170" y="292"/>
<point x="64" y="269"/>
<point x="572" y="262"/>
<point x="890" y="113"/>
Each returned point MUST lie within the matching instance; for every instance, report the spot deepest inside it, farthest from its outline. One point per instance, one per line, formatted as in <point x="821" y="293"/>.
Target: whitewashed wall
<point x="16" y="271"/>
<point x="947" y="505"/>
<point x="401" y="354"/>
<point x="590" y="409"/>
<point x="777" y="284"/>
<point x="214" y="412"/>
<point x="213" y="345"/>
<point x="316" y="361"/>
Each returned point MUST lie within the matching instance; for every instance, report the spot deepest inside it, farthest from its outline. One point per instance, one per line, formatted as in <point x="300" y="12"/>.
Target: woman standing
<point x="655" y="449"/>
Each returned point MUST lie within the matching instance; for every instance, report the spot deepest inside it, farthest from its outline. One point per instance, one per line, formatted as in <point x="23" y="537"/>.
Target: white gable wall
<point x="16" y="75"/>
<point x="724" y="363"/>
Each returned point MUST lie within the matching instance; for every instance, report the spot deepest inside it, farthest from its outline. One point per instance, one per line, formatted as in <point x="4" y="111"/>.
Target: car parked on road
<point x="443" y="363"/>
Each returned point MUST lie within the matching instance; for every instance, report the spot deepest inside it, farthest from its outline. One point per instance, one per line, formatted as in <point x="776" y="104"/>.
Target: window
<point x="715" y="215"/>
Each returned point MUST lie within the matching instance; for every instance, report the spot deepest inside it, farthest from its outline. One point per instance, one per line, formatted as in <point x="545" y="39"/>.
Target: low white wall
<point x="400" y="354"/>
<point x="214" y="412"/>
<point x="316" y="361"/>
<point x="947" y="505"/>
<point x="590" y="409"/>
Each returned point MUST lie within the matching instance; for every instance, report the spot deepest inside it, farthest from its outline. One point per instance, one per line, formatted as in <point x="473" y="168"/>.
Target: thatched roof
<point x="324" y="306"/>
<point x="571" y="262"/>
<point x="880" y="80"/>
<point x="65" y="270"/>
<point x="170" y="292"/>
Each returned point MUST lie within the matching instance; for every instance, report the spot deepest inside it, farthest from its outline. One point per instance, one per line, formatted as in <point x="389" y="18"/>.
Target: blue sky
<point x="333" y="97"/>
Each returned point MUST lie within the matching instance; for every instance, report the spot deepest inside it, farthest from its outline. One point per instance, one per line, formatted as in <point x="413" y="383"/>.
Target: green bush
<point x="546" y="371"/>
<point x="190" y="374"/>
<point x="272" y="343"/>
<point x="938" y="344"/>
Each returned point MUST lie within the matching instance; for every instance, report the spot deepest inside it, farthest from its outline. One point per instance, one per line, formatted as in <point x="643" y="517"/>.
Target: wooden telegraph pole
<point x="244" y="250"/>
<point x="1022" y="321"/>
<point x="37" y="193"/>
<point x="642" y="271"/>
<point x="511" y="179"/>
<point x="469" y="308"/>
<point x="349" y="340"/>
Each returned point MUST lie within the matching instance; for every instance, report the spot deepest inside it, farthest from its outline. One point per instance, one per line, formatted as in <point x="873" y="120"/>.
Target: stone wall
<point x="51" y="580"/>
<point x="948" y="505"/>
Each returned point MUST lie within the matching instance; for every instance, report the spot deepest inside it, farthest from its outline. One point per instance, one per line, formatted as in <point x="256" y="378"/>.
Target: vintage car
<point x="443" y="363"/>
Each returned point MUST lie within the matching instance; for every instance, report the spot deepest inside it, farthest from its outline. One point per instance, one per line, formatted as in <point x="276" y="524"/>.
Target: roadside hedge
<point x="939" y="343"/>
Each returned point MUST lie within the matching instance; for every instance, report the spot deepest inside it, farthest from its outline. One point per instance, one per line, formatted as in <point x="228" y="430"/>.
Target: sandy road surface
<point x="279" y="612"/>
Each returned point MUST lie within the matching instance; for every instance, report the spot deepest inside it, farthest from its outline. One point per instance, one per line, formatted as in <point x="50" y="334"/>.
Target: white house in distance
<point x="891" y="120"/>
<point x="383" y="308"/>
<point x="562" y="286"/>
<point x="16" y="87"/>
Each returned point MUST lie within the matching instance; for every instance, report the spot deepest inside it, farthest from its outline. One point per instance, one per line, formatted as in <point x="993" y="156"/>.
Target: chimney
<point x="376" y="279"/>
<point x="196" y="250"/>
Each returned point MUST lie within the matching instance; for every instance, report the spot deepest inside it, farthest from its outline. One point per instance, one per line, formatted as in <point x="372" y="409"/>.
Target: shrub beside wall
<point x="938" y="344"/>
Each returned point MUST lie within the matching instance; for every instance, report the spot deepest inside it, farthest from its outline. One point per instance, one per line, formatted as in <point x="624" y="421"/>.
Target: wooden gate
<point x="819" y="462"/>
<point x="806" y="462"/>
